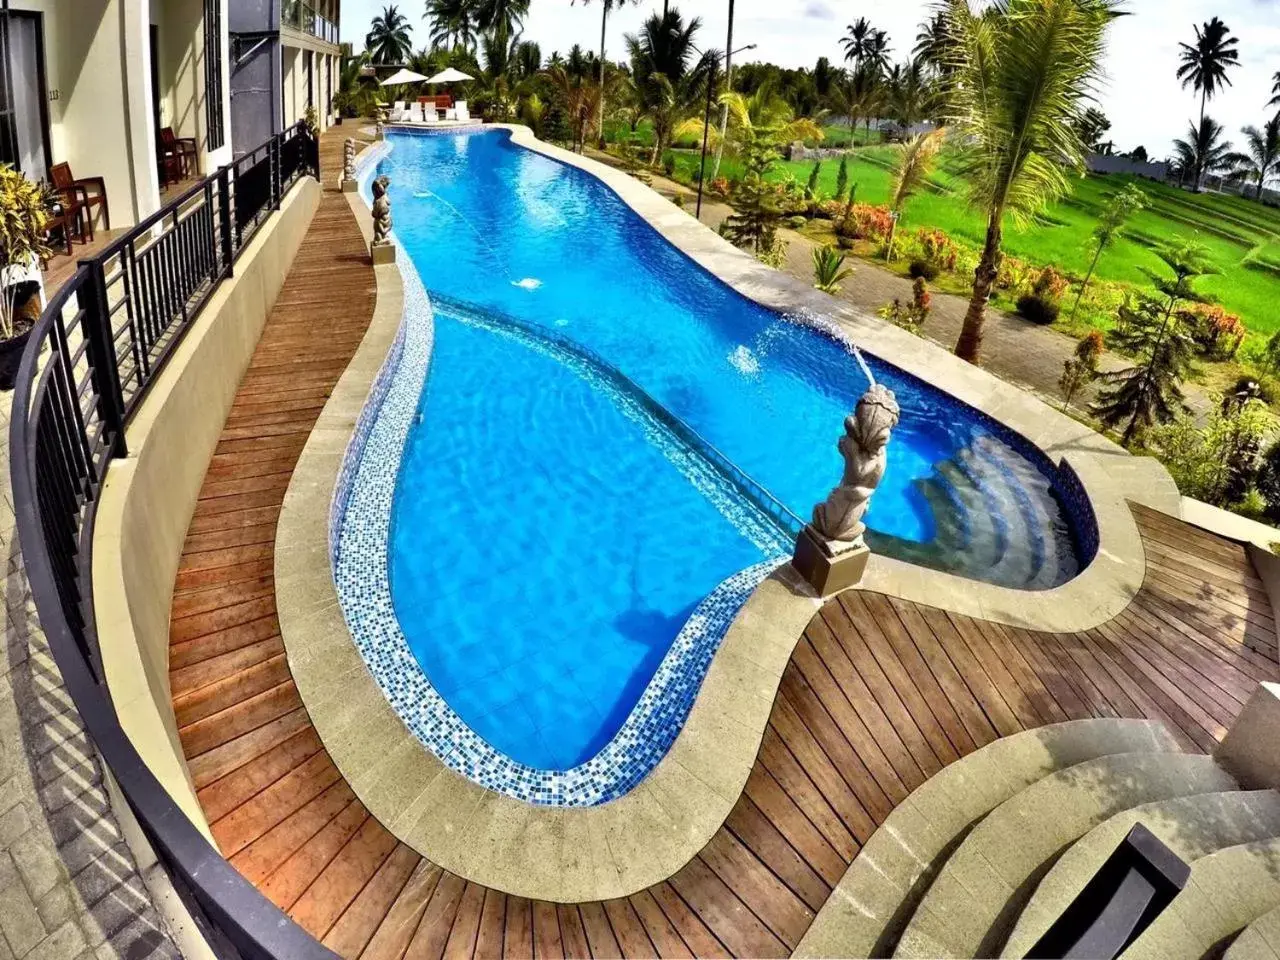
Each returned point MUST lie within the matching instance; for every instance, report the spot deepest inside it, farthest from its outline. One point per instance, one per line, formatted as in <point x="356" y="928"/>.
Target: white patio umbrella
<point x="402" y="77"/>
<point x="450" y="76"/>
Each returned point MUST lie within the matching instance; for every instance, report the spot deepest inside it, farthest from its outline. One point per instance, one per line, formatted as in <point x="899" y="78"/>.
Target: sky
<point x="1143" y="99"/>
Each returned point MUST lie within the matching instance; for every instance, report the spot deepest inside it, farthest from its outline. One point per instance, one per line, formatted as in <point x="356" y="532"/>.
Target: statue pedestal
<point x="350" y="186"/>
<point x="826" y="571"/>
<point x="382" y="253"/>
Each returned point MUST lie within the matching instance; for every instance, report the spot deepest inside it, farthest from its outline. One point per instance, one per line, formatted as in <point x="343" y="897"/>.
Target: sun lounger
<point x="415" y="113"/>
<point x="451" y="114"/>
<point x="398" y="111"/>
<point x="461" y="110"/>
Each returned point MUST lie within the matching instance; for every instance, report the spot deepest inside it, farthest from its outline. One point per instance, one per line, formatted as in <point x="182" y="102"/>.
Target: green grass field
<point x="1242" y="236"/>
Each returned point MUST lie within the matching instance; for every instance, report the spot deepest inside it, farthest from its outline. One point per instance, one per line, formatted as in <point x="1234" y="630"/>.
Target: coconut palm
<point x="666" y="86"/>
<point x="506" y="15"/>
<point x="931" y="41"/>
<point x="388" y="37"/>
<point x="451" y="23"/>
<point x="855" y="41"/>
<point x="606" y="7"/>
<point x="498" y="53"/>
<point x="1261" y="158"/>
<point x="911" y="95"/>
<point x="877" y="55"/>
<point x="579" y="98"/>
<point x="1205" y="63"/>
<point x="913" y="162"/>
<point x="1203" y="151"/>
<point x="1275" y="91"/>
<point x="1019" y="75"/>
<point x="528" y="59"/>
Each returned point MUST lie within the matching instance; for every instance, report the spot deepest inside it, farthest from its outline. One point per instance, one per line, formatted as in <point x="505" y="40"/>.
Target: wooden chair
<point x="75" y="195"/>
<point x="182" y="147"/>
<point x="62" y="218"/>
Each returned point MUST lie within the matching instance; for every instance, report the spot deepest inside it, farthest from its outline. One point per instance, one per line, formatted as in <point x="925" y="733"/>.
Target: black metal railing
<point x="88" y="363"/>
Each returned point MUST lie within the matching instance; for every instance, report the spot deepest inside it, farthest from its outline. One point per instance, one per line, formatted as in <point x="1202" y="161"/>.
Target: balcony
<point x="304" y="18"/>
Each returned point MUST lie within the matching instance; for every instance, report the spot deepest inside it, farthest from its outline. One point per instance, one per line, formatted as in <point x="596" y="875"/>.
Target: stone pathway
<point x="69" y="886"/>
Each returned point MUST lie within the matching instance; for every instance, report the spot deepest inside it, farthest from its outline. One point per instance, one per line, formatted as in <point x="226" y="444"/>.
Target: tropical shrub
<point x="1268" y="480"/>
<point x="938" y="249"/>
<point x="1081" y="368"/>
<point x="910" y="316"/>
<point x="829" y="269"/>
<point x="1218" y="334"/>
<point x="24" y="215"/>
<point x="922" y="268"/>
<point x="668" y="162"/>
<point x="1218" y="462"/>
<point x="863" y="221"/>
<point x="1042" y="303"/>
<point x="1013" y="274"/>
<point x="719" y="186"/>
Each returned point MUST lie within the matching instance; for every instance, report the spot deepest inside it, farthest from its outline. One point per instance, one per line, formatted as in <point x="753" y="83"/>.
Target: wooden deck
<point x="879" y="695"/>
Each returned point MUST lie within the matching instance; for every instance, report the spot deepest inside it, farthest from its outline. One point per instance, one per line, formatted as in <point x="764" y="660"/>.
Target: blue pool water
<point x="549" y="536"/>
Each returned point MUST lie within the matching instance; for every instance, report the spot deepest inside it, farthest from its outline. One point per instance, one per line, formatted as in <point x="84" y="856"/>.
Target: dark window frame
<point x="215" y="117"/>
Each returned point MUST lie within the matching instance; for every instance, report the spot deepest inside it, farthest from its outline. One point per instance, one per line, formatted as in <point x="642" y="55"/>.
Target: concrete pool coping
<point x="612" y="850"/>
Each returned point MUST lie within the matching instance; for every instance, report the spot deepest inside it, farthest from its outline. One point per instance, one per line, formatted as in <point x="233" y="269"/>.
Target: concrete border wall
<point x="148" y="498"/>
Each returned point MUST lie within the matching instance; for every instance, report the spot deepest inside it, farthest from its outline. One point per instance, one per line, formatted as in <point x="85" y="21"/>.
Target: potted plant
<point x="24" y="216"/>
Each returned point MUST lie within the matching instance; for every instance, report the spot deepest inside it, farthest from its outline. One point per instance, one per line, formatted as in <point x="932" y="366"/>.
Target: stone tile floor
<point x="69" y="886"/>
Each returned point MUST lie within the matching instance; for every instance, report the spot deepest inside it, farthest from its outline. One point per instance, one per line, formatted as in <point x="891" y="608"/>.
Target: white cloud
<point x="1142" y="96"/>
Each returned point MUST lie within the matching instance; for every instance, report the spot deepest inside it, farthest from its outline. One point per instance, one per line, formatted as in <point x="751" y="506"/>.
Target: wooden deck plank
<point x="879" y="695"/>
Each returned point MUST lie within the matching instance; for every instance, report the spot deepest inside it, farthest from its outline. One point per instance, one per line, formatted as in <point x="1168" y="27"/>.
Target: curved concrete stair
<point x="1228" y="891"/>
<point x="1192" y="827"/>
<point x="1260" y="940"/>
<point x="874" y="900"/>
<point x="971" y="905"/>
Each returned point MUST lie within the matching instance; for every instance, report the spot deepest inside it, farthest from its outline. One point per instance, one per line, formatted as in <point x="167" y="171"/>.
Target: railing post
<point x="274" y="152"/>
<point x="102" y="356"/>
<point x="224" y="218"/>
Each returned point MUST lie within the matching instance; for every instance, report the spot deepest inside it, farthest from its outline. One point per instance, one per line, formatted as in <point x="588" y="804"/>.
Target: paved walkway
<point x="69" y="887"/>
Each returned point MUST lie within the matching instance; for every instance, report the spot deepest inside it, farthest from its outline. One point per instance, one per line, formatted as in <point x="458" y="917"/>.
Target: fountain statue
<point x="382" y="250"/>
<point x="831" y="552"/>
<point x="349" y="166"/>
<point x="866" y="436"/>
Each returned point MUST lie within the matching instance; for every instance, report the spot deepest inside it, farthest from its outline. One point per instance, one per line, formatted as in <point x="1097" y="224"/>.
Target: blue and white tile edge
<point x="359" y="534"/>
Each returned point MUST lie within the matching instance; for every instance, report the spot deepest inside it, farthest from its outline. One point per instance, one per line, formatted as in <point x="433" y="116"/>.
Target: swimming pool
<point x="606" y="434"/>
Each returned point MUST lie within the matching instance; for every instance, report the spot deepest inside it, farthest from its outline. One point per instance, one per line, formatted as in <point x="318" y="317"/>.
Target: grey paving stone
<point x="19" y="920"/>
<point x="37" y="863"/>
<point x="65" y="943"/>
<point x="104" y="873"/>
<point x="13" y="824"/>
<point x="57" y="906"/>
<point x="121" y="906"/>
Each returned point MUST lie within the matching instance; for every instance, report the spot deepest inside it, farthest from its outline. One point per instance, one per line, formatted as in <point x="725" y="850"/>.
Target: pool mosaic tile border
<point x="359" y="532"/>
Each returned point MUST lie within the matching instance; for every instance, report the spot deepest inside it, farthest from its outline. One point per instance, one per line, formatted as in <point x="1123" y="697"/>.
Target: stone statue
<point x="382" y="212"/>
<point x="866" y="435"/>
<point x="349" y="159"/>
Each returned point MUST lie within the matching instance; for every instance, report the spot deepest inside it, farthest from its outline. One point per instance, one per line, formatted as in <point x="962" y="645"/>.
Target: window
<point x="8" y="121"/>
<point x="216" y="133"/>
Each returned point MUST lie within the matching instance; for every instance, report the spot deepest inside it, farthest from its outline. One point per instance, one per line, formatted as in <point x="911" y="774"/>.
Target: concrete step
<point x="872" y="903"/>
<point x="1228" y="891"/>
<point x="1192" y="827"/>
<point x="974" y="900"/>
<point x="1260" y="940"/>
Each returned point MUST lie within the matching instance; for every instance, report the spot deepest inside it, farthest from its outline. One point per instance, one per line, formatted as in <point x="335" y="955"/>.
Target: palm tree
<point x="877" y="55"/>
<point x="1263" y="153"/>
<point x="931" y="41"/>
<point x="666" y="86"/>
<point x="911" y="96"/>
<point x="507" y="15"/>
<point x="388" y="37"/>
<point x="1019" y="73"/>
<point x="855" y="41"/>
<point x="451" y="23"/>
<point x="1275" y="91"/>
<point x="528" y="59"/>
<point x="912" y="164"/>
<point x="1123" y="205"/>
<point x="499" y="54"/>
<point x="1205" y="64"/>
<point x="606" y="7"/>
<point x="1203" y="151"/>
